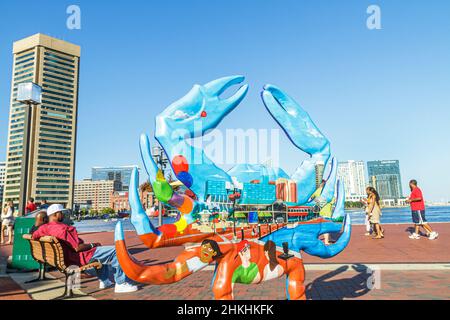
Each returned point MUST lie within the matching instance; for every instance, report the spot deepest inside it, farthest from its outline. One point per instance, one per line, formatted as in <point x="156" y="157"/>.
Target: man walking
<point x="418" y="212"/>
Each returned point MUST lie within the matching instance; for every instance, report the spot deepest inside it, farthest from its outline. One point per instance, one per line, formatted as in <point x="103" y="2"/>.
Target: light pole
<point x="161" y="160"/>
<point x="235" y="195"/>
<point x="28" y="93"/>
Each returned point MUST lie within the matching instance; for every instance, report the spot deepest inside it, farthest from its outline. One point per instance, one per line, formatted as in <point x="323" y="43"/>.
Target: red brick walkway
<point x="396" y="247"/>
<point x="337" y="283"/>
<point x="9" y="290"/>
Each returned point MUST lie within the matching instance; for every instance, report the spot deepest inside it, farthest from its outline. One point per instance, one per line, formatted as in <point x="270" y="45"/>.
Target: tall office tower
<point x="119" y="173"/>
<point x="2" y="181"/>
<point x="385" y="177"/>
<point x="320" y="168"/>
<point x="353" y="175"/>
<point x="54" y="65"/>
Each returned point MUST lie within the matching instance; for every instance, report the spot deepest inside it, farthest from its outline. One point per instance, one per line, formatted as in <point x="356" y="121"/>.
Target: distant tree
<point x="146" y="187"/>
<point x="353" y="204"/>
<point x="107" y="211"/>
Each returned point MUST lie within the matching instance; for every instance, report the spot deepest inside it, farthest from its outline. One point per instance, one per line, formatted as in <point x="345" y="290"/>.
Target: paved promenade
<point x="405" y="269"/>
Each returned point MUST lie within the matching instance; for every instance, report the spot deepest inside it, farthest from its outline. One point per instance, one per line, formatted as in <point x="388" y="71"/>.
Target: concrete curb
<point x="381" y="266"/>
<point x="44" y="290"/>
<point x="373" y="266"/>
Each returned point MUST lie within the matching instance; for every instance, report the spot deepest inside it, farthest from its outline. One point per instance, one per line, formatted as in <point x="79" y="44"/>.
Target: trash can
<point x="21" y="256"/>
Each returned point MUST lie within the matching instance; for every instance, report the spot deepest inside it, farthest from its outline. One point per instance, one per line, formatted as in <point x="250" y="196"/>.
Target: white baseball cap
<point x="54" y="208"/>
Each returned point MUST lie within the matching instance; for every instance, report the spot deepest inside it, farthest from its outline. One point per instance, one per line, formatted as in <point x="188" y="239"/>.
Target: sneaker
<point x="414" y="236"/>
<point x="105" y="284"/>
<point x="125" y="287"/>
<point x="433" y="235"/>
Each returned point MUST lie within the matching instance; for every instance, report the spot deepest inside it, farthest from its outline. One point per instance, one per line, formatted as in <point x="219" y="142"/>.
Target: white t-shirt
<point x="194" y="264"/>
<point x="8" y="217"/>
<point x="272" y="274"/>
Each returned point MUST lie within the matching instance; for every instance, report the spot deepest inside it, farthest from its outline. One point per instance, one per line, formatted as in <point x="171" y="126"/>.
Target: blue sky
<point x="377" y="94"/>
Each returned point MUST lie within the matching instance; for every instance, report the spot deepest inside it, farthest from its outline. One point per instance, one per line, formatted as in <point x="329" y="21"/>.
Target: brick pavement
<point x="10" y="290"/>
<point x="341" y="283"/>
<point x="396" y="247"/>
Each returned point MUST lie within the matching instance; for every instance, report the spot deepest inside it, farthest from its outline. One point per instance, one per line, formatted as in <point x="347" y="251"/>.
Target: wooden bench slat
<point x="49" y="250"/>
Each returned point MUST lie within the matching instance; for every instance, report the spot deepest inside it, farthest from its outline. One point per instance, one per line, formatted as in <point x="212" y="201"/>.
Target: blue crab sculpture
<point x="201" y="110"/>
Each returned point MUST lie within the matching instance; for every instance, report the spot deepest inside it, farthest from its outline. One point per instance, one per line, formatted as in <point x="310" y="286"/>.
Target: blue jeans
<point x="106" y="255"/>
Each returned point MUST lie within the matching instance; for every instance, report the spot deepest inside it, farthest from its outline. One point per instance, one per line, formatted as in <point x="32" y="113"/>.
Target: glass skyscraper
<point x="384" y="175"/>
<point x="120" y="173"/>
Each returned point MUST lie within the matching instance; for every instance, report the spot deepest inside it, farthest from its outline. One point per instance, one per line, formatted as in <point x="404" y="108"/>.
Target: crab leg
<point x="163" y="192"/>
<point x="155" y="274"/>
<point x="339" y="210"/>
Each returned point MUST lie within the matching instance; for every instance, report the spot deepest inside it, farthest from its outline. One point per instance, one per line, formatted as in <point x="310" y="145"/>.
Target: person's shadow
<point x="324" y="288"/>
<point x="411" y="230"/>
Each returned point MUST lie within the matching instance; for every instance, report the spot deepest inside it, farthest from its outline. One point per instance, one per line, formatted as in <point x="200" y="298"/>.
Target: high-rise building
<point x="352" y="174"/>
<point x="53" y="64"/>
<point x="320" y="168"/>
<point x="2" y="181"/>
<point x="119" y="173"/>
<point x="385" y="177"/>
<point x="97" y="194"/>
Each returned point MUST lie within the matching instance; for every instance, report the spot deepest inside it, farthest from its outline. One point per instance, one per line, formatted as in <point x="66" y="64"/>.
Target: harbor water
<point x="389" y="216"/>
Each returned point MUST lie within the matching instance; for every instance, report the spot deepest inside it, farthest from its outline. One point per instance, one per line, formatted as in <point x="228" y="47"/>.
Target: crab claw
<point x="192" y="116"/>
<point x="295" y="121"/>
<point x="200" y="110"/>
<point x="303" y="133"/>
<point x="218" y="86"/>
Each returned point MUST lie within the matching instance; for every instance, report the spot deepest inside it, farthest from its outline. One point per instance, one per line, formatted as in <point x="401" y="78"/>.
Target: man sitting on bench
<point x="84" y="253"/>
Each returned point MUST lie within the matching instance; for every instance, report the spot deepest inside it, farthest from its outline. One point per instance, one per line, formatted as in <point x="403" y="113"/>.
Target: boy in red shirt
<point x="418" y="212"/>
<point x="30" y="206"/>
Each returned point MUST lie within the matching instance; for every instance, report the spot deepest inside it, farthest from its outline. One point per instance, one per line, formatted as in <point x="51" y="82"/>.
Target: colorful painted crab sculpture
<point x="270" y="252"/>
